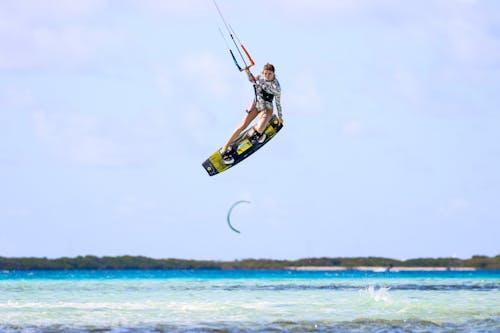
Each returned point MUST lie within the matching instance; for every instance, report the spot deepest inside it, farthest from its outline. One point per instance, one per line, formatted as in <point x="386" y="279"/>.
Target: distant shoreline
<point x="380" y="269"/>
<point x="375" y="264"/>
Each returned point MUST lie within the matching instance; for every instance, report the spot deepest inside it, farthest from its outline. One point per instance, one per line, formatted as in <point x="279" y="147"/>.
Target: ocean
<point x="249" y="301"/>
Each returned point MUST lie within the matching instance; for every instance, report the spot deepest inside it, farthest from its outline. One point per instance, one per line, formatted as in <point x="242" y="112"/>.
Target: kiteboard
<point x="241" y="148"/>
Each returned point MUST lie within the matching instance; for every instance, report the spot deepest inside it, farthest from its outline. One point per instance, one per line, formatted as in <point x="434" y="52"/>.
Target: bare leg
<point x="266" y="115"/>
<point x="249" y="117"/>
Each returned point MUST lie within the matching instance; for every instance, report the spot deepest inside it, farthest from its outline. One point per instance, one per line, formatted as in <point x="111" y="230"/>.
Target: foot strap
<point x="256" y="135"/>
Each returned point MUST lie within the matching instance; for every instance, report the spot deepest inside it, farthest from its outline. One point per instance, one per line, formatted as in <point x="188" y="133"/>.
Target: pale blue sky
<point x="390" y="145"/>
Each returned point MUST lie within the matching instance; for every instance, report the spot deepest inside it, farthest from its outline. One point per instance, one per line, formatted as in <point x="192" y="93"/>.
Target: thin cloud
<point x="77" y="139"/>
<point x="304" y="95"/>
<point x="176" y="10"/>
<point x="195" y="124"/>
<point x="325" y="8"/>
<point x="352" y="128"/>
<point x="409" y="85"/>
<point x="208" y="71"/>
<point x="50" y="33"/>
<point x="45" y="11"/>
<point x="32" y="48"/>
<point x="62" y="134"/>
<point x="472" y="41"/>
<point x="455" y="207"/>
<point x="13" y="97"/>
<point x="164" y="81"/>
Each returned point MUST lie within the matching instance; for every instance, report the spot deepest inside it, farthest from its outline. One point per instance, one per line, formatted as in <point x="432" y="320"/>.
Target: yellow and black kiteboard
<point x="241" y="148"/>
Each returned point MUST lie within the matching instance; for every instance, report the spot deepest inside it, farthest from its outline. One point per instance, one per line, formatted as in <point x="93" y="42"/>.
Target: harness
<point x="265" y="95"/>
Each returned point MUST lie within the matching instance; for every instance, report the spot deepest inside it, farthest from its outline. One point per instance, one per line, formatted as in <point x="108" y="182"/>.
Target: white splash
<point x="381" y="294"/>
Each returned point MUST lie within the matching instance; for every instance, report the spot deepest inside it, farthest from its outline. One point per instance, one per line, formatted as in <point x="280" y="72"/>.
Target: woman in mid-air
<point x="266" y="88"/>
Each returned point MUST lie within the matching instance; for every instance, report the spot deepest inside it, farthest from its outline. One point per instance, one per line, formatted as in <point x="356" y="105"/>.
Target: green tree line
<point x="140" y="262"/>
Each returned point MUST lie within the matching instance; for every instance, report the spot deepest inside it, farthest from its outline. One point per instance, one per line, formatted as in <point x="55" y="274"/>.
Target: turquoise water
<point x="249" y="301"/>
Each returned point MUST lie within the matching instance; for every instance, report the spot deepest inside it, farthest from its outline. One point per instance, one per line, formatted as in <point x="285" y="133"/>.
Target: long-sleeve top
<point x="270" y="87"/>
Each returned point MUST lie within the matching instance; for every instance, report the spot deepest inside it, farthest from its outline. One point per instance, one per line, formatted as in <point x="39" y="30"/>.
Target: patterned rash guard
<point x="265" y="91"/>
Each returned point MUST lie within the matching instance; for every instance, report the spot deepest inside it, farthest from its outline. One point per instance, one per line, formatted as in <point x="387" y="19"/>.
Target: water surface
<point x="249" y="301"/>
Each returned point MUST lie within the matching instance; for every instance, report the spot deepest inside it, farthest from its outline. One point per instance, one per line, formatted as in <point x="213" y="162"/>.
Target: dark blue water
<point x="244" y="274"/>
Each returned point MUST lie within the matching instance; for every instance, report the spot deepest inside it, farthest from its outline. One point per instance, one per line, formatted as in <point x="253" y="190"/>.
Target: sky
<point x="390" y="145"/>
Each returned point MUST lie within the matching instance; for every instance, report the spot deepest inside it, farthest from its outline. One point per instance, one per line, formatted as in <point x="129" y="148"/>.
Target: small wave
<point x="257" y="287"/>
<point x="283" y="287"/>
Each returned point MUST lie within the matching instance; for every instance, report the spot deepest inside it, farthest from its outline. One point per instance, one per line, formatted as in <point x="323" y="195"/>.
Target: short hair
<point x="269" y="67"/>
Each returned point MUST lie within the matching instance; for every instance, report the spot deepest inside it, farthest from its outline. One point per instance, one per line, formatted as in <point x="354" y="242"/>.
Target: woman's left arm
<point x="275" y="89"/>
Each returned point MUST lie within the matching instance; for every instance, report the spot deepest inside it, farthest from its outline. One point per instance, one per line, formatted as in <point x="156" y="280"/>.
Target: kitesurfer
<point x="267" y="88"/>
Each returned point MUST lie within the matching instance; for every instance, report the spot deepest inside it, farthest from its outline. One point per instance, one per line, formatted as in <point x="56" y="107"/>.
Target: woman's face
<point x="268" y="75"/>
